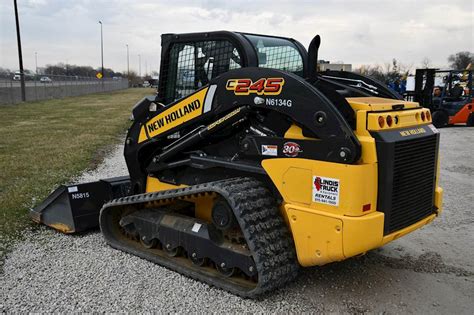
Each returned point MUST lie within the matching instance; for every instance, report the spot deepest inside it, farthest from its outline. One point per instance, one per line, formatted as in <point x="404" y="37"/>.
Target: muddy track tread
<point x="256" y="212"/>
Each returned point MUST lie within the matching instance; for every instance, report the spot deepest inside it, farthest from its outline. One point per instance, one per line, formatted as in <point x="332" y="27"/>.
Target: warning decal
<point x="326" y="190"/>
<point x="269" y="149"/>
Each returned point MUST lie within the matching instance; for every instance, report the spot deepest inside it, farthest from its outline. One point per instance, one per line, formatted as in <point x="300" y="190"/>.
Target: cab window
<point x="192" y="65"/>
<point x="277" y="53"/>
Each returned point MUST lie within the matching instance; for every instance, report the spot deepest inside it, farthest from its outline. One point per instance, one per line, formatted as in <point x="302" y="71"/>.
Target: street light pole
<point x="139" y="65"/>
<point x="101" y="49"/>
<point x="36" y="62"/>
<point x="128" y="63"/>
<point x="20" y="56"/>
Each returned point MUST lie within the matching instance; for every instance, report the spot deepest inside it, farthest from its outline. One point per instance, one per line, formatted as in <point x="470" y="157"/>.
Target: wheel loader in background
<point x="248" y="164"/>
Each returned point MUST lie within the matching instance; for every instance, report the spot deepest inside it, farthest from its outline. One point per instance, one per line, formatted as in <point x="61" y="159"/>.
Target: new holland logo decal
<point x="179" y="113"/>
<point x="412" y="132"/>
<point x="174" y="115"/>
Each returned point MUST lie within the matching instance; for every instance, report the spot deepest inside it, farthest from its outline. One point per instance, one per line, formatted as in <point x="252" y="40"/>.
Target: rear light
<point x="423" y="116"/>
<point x="366" y="207"/>
<point x="417" y="116"/>
<point x="389" y="121"/>
<point x="381" y="121"/>
<point x="428" y="116"/>
<point x="395" y="119"/>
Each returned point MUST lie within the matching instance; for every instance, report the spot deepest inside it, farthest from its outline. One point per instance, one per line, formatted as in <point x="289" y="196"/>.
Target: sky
<point x="353" y="31"/>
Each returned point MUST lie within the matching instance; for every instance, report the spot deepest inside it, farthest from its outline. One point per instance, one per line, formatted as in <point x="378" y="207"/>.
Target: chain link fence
<point x="55" y="86"/>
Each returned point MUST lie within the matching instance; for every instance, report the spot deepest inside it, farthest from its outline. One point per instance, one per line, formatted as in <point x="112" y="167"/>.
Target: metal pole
<point x="139" y="66"/>
<point x="20" y="57"/>
<point x="11" y="92"/>
<point x="36" y="91"/>
<point x="128" y="63"/>
<point x="36" y="75"/>
<point x="101" y="48"/>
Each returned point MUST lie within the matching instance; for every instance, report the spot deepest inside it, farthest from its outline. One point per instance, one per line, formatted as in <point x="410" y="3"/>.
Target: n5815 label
<point x="80" y="195"/>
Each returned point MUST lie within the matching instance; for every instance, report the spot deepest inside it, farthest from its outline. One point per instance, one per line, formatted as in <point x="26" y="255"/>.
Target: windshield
<point x="277" y="53"/>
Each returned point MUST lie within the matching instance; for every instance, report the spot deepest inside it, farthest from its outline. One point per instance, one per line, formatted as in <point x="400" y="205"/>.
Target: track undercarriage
<point x="245" y="248"/>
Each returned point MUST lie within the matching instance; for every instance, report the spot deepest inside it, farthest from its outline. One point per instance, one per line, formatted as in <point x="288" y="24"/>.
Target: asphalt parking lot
<point x="428" y="271"/>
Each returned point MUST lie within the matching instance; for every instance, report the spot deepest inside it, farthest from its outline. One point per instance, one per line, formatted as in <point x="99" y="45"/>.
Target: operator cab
<point x="190" y="61"/>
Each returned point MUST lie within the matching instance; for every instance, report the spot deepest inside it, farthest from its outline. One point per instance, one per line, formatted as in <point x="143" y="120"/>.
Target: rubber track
<point x="255" y="209"/>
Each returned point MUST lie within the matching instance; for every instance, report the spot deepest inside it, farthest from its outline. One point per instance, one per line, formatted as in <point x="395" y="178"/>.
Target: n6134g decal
<point x="263" y="86"/>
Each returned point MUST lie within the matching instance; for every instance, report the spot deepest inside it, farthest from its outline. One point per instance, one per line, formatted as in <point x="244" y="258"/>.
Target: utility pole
<point x="101" y="49"/>
<point x="128" y="63"/>
<point x="146" y="68"/>
<point x="139" y="65"/>
<point x="20" y="56"/>
<point x="36" y="62"/>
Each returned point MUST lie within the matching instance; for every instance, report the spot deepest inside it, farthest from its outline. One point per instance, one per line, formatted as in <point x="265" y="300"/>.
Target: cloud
<point x="358" y="31"/>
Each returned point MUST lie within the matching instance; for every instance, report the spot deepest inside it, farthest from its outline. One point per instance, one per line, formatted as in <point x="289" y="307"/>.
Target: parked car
<point x="46" y="80"/>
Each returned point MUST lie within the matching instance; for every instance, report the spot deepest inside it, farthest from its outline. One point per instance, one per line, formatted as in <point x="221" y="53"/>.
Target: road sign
<point x="98" y="75"/>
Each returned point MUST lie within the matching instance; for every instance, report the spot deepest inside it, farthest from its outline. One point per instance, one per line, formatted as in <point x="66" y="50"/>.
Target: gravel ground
<point x="428" y="271"/>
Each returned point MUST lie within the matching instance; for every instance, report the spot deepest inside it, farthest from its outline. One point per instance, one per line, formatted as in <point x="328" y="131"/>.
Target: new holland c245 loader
<point x="249" y="163"/>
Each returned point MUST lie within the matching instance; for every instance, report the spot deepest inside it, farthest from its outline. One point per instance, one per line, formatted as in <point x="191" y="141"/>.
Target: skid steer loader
<point x="249" y="163"/>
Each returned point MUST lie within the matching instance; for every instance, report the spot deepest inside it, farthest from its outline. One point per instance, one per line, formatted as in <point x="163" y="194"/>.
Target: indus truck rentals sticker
<point x="326" y="190"/>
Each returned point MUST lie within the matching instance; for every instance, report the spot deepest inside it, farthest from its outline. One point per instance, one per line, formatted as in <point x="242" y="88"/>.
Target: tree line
<point x="66" y="70"/>
<point x="81" y="71"/>
<point x="388" y="72"/>
<point x="397" y="71"/>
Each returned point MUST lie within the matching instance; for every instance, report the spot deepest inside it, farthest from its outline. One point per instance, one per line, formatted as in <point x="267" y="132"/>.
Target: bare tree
<point x="5" y="73"/>
<point x="373" y="71"/>
<point x="461" y="60"/>
<point x="404" y="69"/>
<point x="134" y="79"/>
<point x="426" y="63"/>
<point x="388" y="72"/>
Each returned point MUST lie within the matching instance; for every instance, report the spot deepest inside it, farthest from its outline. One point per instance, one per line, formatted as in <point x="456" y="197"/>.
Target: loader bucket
<point x="75" y="208"/>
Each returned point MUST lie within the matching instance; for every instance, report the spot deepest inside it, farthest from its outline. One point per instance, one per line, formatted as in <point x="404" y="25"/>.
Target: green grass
<point x="44" y="144"/>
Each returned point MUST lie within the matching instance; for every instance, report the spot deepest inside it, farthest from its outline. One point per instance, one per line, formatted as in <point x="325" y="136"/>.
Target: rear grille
<point x="413" y="182"/>
<point x="407" y="175"/>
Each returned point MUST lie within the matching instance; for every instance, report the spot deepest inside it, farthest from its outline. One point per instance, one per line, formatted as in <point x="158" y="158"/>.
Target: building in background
<point x="324" y="65"/>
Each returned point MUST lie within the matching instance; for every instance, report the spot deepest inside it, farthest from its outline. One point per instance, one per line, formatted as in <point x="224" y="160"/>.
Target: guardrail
<point x="55" y="86"/>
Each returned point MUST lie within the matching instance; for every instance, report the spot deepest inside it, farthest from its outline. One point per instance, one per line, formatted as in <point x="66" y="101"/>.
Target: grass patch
<point x="44" y="144"/>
